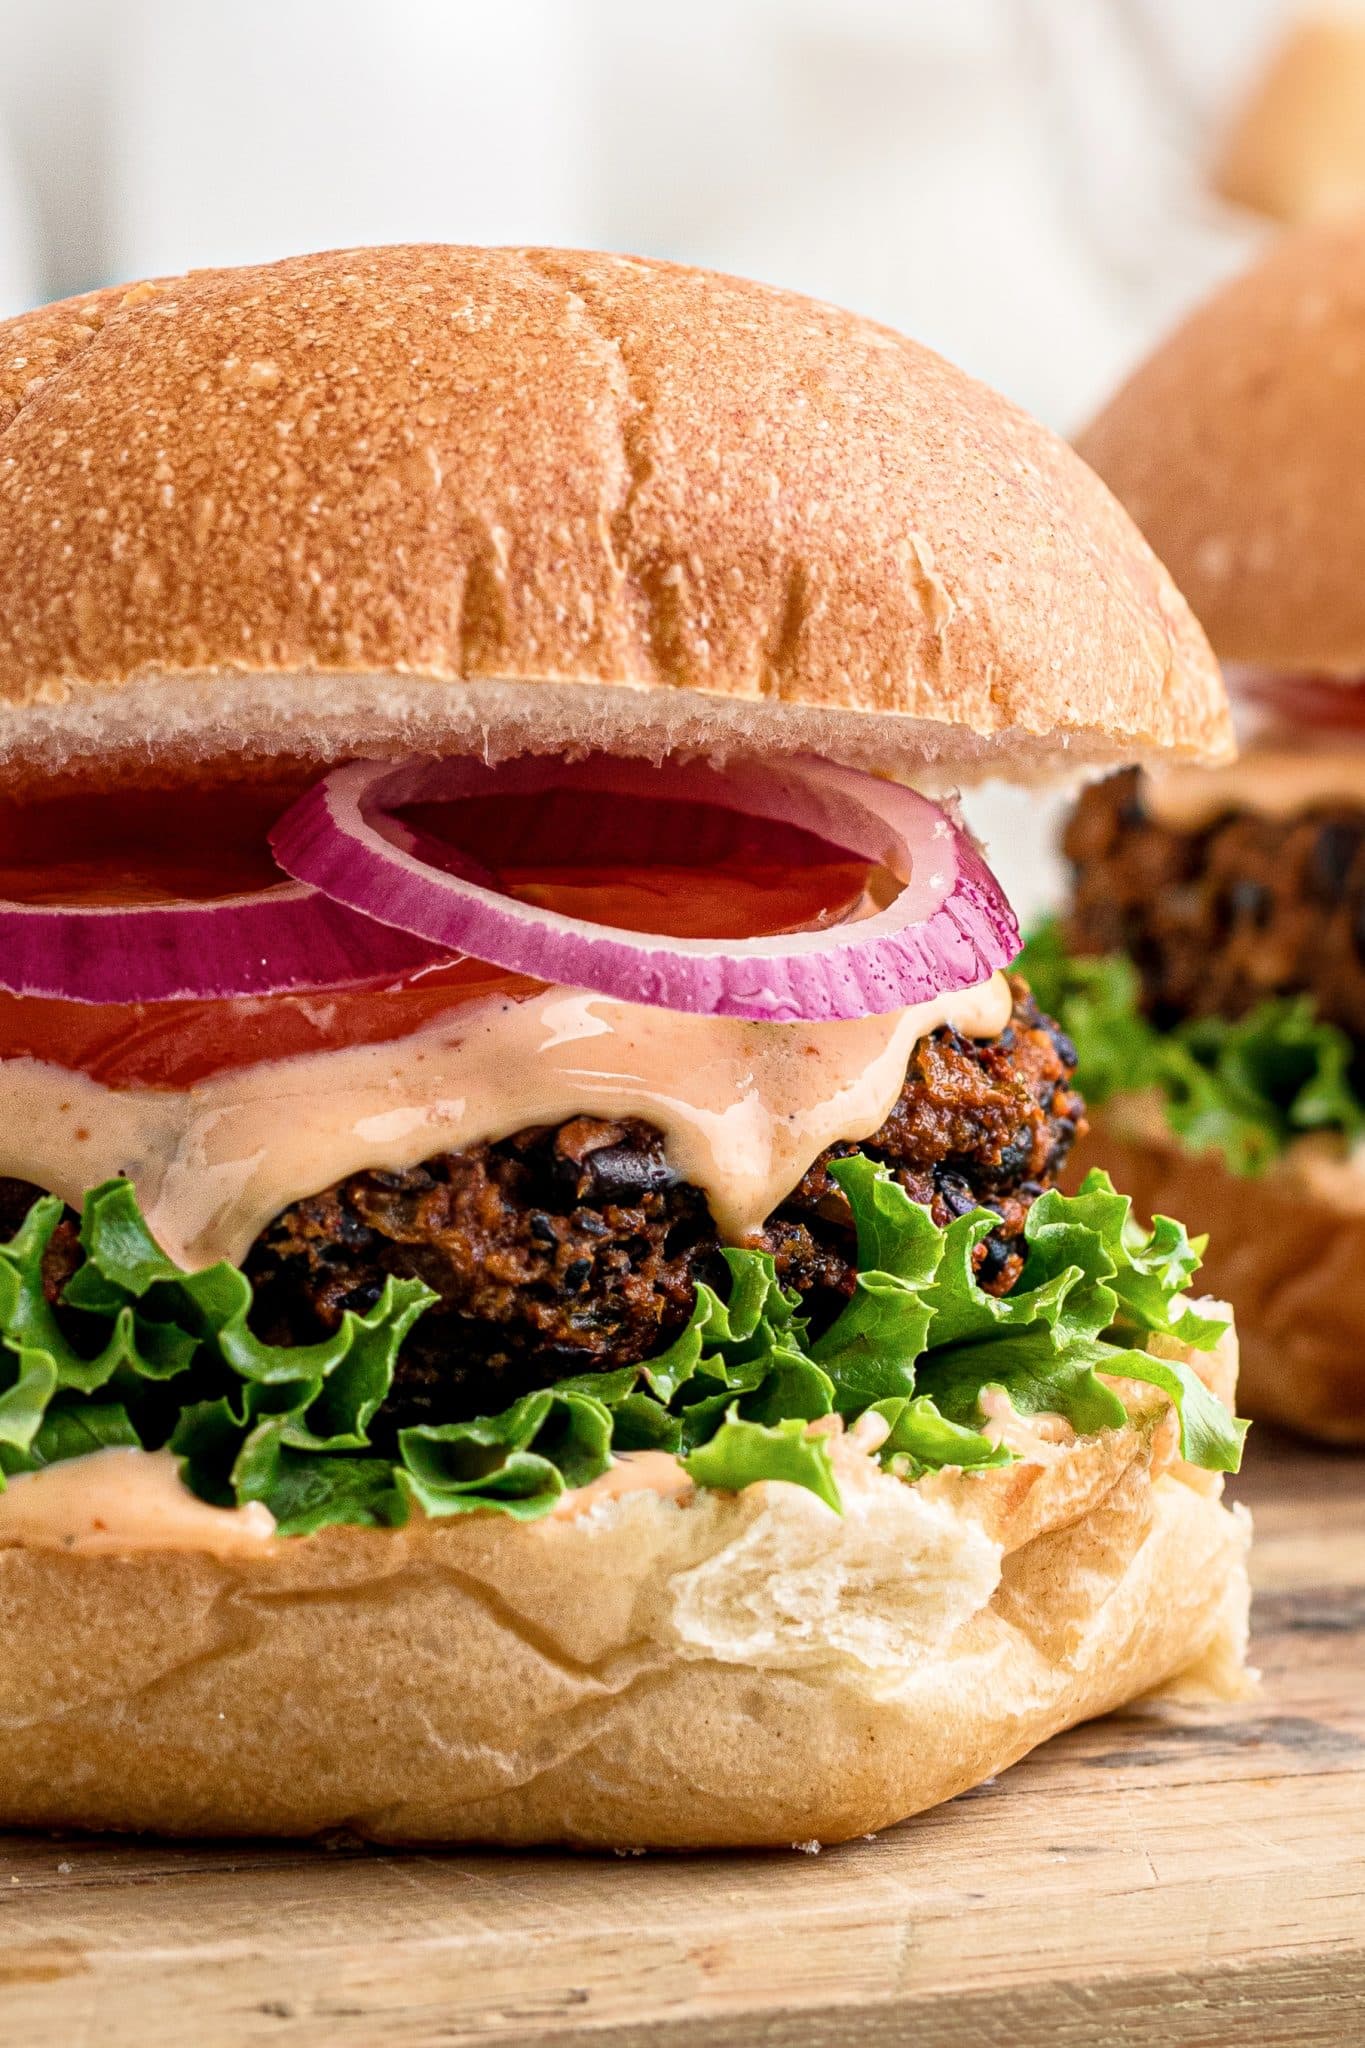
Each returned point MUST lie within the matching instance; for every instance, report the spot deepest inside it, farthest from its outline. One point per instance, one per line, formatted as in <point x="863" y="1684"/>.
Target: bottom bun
<point x="1286" y="1248"/>
<point x="746" y="1669"/>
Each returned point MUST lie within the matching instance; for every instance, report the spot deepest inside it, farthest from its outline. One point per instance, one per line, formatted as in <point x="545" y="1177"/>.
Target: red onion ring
<point x="948" y="928"/>
<point x="1292" y="702"/>
<point x="267" y="943"/>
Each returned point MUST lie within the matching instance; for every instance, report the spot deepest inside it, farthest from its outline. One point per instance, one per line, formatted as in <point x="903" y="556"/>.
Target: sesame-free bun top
<point x="1239" y="449"/>
<point x="528" y="498"/>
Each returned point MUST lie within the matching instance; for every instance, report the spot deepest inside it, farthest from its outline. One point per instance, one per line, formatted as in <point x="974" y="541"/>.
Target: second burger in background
<point x="1212" y="964"/>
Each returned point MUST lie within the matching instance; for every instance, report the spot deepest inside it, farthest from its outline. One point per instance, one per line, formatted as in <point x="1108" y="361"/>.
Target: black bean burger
<point x="1212" y="963"/>
<point x="535" y="1303"/>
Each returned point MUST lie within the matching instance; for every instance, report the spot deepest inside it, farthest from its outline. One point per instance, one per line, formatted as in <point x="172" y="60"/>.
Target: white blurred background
<point x="1021" y="183"/>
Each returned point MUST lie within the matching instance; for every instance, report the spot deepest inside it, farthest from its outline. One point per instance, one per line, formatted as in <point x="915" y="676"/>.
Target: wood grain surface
<point x="1172" y="1876"/>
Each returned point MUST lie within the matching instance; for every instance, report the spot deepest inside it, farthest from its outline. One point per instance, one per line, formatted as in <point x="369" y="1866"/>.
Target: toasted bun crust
<point x="735" y="1670"/>
<point x="513" y="499"/>
<point x="1287" y="1249"/>
<point x="1239" y="448"/>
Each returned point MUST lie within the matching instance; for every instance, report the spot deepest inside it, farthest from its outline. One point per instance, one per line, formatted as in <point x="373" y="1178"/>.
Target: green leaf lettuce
<point x="1244" y="1087"/>
<point x="138" y="1352"/>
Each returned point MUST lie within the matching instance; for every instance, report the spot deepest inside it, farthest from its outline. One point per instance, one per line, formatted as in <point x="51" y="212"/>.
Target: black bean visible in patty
<point x="574" y="1248"/>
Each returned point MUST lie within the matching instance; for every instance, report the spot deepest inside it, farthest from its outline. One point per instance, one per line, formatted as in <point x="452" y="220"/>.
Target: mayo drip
<point x="633" y="1472"/>
<point x="1273" y="781"/>
<point x="744" y="1108"/>
<point x="121" y="1500"/>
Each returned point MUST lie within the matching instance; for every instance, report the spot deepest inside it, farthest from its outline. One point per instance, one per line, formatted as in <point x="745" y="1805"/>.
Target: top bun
<point x="1296" y="149"/>
<point x="515" y="499"/>
<point x="1239" y="448"/>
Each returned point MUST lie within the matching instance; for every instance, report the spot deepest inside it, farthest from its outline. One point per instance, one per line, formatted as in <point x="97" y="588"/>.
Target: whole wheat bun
<point x="1287" y="1247"/>
<point x="503" y="499"/>
<point x="730" y="1670"/>
<point x="1239" y="449"/>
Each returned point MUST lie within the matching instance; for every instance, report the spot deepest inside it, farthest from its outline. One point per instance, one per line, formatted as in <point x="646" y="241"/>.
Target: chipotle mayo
<point x="1272" y="781"/>
<point x="744" y="1107"/>
<point x="124" y="1500"/>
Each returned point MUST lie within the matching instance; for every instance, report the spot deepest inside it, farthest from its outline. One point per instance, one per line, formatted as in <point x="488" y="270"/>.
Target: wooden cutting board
<point x="1171" y="1876"/>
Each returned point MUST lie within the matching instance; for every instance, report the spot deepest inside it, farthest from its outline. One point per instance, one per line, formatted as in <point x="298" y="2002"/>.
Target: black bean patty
<point x="575" y="1249"/>
<point x="1216" y="920"/>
